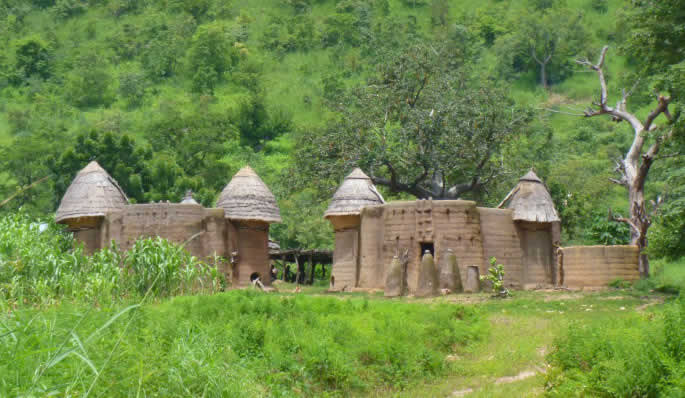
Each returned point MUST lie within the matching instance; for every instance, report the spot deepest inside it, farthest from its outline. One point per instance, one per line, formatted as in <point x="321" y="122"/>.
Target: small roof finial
<point x="188" y="198"/>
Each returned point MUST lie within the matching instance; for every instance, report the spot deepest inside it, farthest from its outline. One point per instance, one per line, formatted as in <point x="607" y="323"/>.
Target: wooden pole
<point x="297" y="262"/>
<point x="312" y="266"/>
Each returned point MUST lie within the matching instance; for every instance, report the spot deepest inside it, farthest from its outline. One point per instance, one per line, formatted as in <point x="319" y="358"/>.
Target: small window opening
<point x="427" y="246"/>
<point x="255" y="275"/>
<point x="332" y="281"/>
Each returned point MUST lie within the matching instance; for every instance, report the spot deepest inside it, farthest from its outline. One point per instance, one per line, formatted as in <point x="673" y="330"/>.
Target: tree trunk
<point x="543" y="74"/>
<point x="640" y="224"/>
<point x="313" y="269"/>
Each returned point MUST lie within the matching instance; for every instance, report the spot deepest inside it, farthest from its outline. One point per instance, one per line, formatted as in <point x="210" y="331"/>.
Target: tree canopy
<point x="418" y="126"/>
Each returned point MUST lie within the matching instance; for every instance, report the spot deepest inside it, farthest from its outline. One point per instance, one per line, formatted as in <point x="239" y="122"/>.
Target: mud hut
<point x="539" y="228"/>
<point x="250" y="207"/>
<point x="356" y="192"/>
<point x="92" y="194"/>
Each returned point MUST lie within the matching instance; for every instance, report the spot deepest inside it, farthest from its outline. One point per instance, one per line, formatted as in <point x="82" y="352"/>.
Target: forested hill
<point x="170" y="95"/>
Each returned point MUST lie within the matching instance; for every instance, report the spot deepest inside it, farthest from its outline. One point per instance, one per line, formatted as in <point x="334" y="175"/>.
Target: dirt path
<point x="526" y="374"/>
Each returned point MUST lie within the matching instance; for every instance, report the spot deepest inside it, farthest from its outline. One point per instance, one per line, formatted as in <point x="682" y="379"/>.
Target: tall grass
<point x="238" y="343"/>
<point x="41" y="263"/>
<point x="643" y="357"/>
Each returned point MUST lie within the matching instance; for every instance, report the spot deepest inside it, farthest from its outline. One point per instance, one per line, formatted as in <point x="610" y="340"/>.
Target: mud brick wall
<point x="371" y="260"/>
<point x="595" y="266"/>
<point x="501" y="240"/>
<point x="457" y="226"/>
<point x="172" y="221"/>
<point x="399" y="232"/>
<point x="452" y="224"/>
<point x="346" y="253"/>
<point x="253" y="253"/>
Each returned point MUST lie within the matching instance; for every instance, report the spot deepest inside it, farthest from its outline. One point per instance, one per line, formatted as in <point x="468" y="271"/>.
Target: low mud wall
<point x="595" y="266"/>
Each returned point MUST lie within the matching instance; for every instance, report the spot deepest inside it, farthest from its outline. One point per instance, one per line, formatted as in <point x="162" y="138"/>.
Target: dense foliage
<point x="173" y="95"/>
<point x="644" y="358"/>
<point x="239" y="343"/>
<point x="39" y="263"/>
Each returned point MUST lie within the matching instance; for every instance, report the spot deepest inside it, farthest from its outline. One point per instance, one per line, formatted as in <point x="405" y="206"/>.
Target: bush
<point x="640" y="357"/>
<point x="211" y="56"/>
<point x="603" y="231"/>
<point x="239" y="343"/>
<point x="40" y="263"/>
<point x="90" y="84"/>
<point x="32" y="58"/>
<point x="667" y="235"/>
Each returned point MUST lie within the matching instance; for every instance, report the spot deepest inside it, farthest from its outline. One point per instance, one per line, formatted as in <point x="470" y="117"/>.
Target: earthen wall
<point x="253" y="253"/>
<point x="399" y="233"/>
<point x="596" y="266"/>
<point x="501" y="240"/>
<point x="457" y="226"/>
<point x="372" y="267"/>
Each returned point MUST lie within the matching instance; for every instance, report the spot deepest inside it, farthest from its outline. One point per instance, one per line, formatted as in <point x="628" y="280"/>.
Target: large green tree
<point x="545" y="41"/>
<point x="418" y="126"/>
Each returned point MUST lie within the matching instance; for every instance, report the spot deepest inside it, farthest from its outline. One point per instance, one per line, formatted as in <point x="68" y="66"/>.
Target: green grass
<point x="240" y="343"/>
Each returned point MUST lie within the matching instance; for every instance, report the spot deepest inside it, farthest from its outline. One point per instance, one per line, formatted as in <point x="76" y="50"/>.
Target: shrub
<point x="239" y="343"/>
<point x="603" y="231"/>
<point x="210" y="56"/>
<point x="40" y="263"/>
<point x="33" y="57"/>
<point x="496" y="278"/>
<point x="639" y="357"/>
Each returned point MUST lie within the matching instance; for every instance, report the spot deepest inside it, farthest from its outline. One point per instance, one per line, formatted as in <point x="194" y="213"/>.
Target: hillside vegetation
<point x="170" y="95"/>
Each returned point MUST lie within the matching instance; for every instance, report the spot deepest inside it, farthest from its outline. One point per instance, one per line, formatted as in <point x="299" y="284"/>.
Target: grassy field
<point x="309" y="343"/>
<point x="147" y="324"/>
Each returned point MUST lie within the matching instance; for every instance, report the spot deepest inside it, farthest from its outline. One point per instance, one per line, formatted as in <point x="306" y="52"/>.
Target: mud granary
<point x="522" y="233"/>
<point x="97" y="210"/>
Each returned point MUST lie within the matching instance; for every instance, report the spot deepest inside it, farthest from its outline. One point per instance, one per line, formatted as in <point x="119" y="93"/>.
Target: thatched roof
<point x="356" y="192"/>
<point x="92" y="193"/>
<point x="531" y="201"/>
<point x="246" y="197"/>
<point x="188" y="199"/>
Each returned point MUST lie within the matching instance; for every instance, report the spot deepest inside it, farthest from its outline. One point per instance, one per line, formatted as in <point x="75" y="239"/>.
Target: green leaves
<point x="496" y="278"/>
<point x="418" y="126"/>
<point x="211" y="55"/>
<point x="40" y="263"/>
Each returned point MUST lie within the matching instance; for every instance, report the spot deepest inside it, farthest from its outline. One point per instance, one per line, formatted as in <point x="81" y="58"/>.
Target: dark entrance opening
<point x="255" y="275"/>
<point x="427" y="246"/>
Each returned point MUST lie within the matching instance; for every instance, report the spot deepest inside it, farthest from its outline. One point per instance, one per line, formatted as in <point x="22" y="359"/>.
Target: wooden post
<point x="312" y="266"/>
<point x="297" y="263"/>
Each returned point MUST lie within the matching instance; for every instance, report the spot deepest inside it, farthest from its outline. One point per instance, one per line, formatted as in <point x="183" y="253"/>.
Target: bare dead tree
<point x="634" y="167"/>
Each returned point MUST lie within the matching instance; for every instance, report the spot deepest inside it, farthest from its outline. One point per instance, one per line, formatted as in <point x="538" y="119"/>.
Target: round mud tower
<point x="428" y="277"/>
<point x="472" y="284"/>
<point x="449" y="273"/>
<point x="393" y="280"/>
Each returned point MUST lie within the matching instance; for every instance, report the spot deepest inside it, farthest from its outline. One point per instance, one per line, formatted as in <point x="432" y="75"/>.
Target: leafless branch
<point x="21" y="190"/>
<point x="660" y="108"/>
<point x="562" y="112"/>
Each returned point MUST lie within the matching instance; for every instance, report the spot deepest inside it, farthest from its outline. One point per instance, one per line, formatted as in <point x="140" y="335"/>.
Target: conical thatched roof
<point x="92" y="193"/>
<point x="356" y="192"/>
<point x="531" y="201"/>
<point x="188" y="199"/>
<point x="246" y="197"/>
